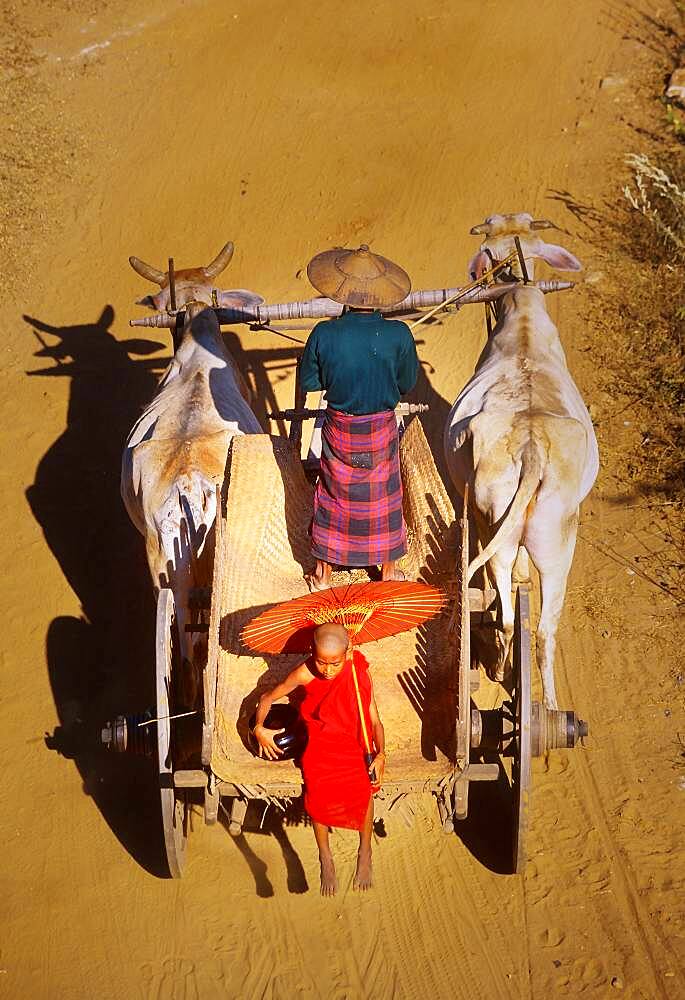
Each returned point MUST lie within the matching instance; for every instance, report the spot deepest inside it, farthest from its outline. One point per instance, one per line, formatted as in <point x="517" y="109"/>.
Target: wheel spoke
<point x="521" y="742"/>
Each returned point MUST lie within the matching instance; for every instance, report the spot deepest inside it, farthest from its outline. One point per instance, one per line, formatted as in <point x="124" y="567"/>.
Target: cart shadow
<point x="434" y="422"/>
<point x="101" y="663"/>
<point x="270" y="824"/>
<point x="431" y="684"/>
<point x="263" y="368"/>
<point x="487" y="830"/>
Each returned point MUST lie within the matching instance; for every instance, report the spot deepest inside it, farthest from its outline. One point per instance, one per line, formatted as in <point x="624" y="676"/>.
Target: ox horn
<point x="480" y="230"/>
<point x="220" y="262"/>
<point x="542" y="224"/>
<point x="147" y="271"/>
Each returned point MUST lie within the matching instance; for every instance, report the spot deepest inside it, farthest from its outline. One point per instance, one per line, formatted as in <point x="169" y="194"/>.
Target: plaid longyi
<point x="358" y="500"/>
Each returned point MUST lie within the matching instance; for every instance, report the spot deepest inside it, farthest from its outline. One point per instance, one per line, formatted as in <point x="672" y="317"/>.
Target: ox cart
<point x="426" y="684"/>
<point x="442" y="733"/>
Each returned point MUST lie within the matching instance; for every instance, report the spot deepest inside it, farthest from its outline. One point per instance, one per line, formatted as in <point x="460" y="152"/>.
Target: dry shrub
<point x="659" y="196"/>
<point x="650" y="362"/>
<point x="644" y="345"/>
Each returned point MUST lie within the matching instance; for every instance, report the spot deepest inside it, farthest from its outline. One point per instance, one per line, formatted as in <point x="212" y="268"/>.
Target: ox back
<point x="520" y="435"/>
<point x="175" y="457"/>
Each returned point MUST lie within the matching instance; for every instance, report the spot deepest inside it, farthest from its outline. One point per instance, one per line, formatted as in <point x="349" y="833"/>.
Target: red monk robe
<point x="337" y="788"/>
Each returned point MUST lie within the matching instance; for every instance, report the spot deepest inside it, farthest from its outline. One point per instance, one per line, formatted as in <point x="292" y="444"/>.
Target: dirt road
<point x="288" y="127"/>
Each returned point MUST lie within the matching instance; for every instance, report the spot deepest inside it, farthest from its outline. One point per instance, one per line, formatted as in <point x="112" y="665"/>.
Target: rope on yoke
<point x="467" y="288"/>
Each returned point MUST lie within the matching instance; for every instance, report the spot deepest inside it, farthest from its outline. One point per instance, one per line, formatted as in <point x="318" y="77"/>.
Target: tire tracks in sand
<point x="572" y="807"/>
<point x="464" y="911"/>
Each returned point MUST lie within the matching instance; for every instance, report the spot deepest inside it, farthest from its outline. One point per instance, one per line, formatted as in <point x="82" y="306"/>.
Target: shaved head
<point x="331" y="639"/>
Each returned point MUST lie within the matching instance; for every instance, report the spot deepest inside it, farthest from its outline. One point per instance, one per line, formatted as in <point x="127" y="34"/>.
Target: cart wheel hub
<point x="552" y="729"/>
<point x="126" y="735"/>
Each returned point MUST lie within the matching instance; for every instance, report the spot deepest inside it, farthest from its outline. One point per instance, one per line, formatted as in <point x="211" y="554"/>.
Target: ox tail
<point x="531" y="474"/>
<point x="185" y="519"/>
<point x="197" y="503"/>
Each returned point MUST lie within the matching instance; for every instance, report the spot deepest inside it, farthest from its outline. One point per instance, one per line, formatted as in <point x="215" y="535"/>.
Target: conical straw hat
<point x="358" y="278"/>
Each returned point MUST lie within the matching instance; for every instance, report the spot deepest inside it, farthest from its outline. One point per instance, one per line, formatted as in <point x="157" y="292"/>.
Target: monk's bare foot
<point x="329" y="881"/>
<point x="395" y="575"/>
<point x="363" y="875"/>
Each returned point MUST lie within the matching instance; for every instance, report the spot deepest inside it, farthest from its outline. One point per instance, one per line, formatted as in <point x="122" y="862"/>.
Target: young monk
<point x="337" y="784"/>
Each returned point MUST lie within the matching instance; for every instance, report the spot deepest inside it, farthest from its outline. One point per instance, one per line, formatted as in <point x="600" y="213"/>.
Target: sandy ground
<point x="288" y="127"/>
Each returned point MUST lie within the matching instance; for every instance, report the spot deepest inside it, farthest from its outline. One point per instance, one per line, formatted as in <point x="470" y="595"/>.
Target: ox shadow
<point x="100" y="663"/>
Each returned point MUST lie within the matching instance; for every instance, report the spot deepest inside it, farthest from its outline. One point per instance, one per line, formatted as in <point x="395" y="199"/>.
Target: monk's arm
<point x="265" y="737"/>
<point x="378" y="739"/>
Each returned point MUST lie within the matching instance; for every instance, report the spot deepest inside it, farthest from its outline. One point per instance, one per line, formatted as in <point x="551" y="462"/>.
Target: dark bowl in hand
<point x="293" y="741"/>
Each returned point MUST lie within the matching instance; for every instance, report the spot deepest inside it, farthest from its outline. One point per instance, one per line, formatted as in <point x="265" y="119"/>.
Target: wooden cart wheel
<point x="175" y="806"/>
<point x="521" y="710"/>
<point x="463" y="728"/>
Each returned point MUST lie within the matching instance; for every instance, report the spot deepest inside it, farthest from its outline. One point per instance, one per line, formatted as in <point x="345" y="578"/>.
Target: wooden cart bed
<point x="265" y="552"/>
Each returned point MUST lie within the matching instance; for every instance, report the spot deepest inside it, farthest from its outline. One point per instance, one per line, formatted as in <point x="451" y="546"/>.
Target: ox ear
<point x="240" y="298"/>
<point x="478" y="265"/>
<point x="558" y="258"/>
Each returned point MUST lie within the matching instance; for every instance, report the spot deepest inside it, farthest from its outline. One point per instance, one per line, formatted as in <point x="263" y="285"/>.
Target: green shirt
<point x="364" y="362"/>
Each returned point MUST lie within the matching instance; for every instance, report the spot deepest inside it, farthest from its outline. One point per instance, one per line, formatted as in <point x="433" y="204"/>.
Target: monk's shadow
<point x="272" y="822"/>
<point x="266" y="820"/>
<point x="278" y="669"/>
<point x="100" y="663"/>
<point x="278" y="666"/>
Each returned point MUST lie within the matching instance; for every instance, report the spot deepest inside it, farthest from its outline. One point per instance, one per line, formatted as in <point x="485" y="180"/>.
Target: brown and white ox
<point x="192" y="284"/>
<point x="176" y="453"/>
<point x="521" y="437"/>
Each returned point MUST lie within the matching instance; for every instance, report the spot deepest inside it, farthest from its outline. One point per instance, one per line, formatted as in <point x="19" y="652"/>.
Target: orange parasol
<point x="369" y="611"/>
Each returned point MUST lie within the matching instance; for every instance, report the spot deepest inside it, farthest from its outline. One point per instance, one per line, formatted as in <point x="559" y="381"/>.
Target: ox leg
<point x="552" y="556"/>
<point x="501" y="567"/>
<point x="483" y="536"/>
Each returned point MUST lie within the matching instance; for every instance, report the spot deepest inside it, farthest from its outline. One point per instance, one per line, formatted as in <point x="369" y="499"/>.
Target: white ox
<point x="521" y="437"/>
<point x="176" y="453"/>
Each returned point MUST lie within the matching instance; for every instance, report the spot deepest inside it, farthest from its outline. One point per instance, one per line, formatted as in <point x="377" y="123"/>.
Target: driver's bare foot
<point x="392" y="574"/>
<point x="329" y="881"/>
<point x="363" y="875"/>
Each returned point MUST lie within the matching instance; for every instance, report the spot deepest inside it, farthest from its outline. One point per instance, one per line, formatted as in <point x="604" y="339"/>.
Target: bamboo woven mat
<point x="267" y="552"/>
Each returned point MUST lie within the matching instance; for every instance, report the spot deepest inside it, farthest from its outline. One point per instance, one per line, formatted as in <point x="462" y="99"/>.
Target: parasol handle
<point x="365" y="735"/>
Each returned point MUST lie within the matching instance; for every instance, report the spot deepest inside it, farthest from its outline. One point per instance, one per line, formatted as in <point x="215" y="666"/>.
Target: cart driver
<point x="337" y="785"/>
<point x="365" y="363"/>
